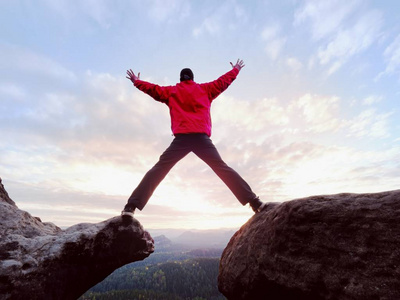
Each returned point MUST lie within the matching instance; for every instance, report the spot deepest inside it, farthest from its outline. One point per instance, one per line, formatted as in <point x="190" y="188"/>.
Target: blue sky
<point x="314" y="111"/>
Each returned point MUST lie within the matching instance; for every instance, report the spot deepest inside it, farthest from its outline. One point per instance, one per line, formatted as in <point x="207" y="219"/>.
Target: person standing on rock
<point x="189" y="105"/>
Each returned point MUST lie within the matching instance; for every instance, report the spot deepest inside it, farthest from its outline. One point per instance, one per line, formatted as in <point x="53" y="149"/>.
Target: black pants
<point x="202" y="146"/>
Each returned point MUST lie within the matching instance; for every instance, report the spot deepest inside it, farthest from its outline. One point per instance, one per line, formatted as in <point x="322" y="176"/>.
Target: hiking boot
<point x="257" y="205"/>
<point x="261" y="208"/>
<point x="128" y="211"/>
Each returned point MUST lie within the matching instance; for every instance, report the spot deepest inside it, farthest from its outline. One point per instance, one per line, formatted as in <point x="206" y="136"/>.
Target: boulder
<point x="344" y="246"/>
<point x="41" y="261"/>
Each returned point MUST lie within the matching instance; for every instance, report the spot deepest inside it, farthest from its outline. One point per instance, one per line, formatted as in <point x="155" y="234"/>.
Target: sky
<point x="315" y="110"/>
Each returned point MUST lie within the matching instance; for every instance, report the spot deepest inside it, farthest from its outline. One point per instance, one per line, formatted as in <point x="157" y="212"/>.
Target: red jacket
<point x="189" y="102"/>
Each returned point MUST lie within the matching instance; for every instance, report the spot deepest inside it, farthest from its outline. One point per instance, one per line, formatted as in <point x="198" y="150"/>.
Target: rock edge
<point x="41" y="261"/>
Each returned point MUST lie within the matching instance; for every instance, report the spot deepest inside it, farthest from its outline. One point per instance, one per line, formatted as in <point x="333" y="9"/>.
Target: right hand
<point x="239" y="64"/>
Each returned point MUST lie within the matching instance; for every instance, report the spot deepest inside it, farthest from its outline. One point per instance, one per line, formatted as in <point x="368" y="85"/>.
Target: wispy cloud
<point x="294" y="64"/>
<point x="77" y="137"/>
<point x="371" y="100"/>
<point x="342" y="29"/>
<point x="279" y="143"/>
<point x="100" y="11"/>
<point x="392" y="57"/>
<point x="325" y="17"/>
<point x="20" y="61"/>
<point x="226" y="16"/>
<point x="12" y="91"/>
<point x="210" y="25"/>
<point x="76" y="121"/>
<point x="370" y="123"/>
<point x="169" y="10"/>
<point x="351" y="41"/>
<point x="319" y="113"/>
<point x="274" y="40"/>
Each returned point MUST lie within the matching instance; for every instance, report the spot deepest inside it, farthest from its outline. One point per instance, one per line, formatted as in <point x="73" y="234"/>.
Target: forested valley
<point x="172" y="272"/>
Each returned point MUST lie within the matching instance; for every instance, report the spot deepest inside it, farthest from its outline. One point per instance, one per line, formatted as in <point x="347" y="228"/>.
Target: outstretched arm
<point x="216" y="87"/>
<point x="239" y="64"/>
<point x="131" y="76"/>
<point x="157" y="92"/>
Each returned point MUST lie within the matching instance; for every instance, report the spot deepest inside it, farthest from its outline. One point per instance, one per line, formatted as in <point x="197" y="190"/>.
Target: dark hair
<point x="186" y="74"/>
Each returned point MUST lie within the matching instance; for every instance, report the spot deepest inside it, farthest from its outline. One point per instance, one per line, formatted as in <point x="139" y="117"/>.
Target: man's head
<point x="186" y="74"/>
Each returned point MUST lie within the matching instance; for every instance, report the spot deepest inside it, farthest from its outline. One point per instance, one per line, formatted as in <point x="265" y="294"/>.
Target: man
<point x="189" y="105"/>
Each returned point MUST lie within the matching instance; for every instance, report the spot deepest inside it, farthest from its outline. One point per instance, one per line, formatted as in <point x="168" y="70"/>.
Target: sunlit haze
<point x="314" y="111"/>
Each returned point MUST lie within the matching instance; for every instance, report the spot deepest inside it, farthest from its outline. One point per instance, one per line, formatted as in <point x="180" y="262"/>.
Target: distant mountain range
<point x="193" y="238"/>
<point x="184" y="265"/>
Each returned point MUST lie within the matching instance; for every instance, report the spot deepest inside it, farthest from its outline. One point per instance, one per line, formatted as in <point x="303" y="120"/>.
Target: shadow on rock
<point x="40" y="261"/>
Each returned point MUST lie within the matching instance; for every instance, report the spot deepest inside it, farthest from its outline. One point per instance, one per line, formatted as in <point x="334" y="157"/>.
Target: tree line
<point x="193" y="279"/>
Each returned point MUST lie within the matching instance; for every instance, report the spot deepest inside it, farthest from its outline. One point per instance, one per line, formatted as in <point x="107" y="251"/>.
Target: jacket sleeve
<point x="158" y="93"/>
<point x="216" y="87"/>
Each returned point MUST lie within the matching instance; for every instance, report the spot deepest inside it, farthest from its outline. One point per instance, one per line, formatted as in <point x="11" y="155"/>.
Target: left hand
<point x="131" y="76"/>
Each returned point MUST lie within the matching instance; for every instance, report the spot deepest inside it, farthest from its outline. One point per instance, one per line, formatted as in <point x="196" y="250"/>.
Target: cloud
<point x="76" y="122"/>
<point x="28" y="91"/>
<point x="233" y="115"/>
<point x="101" y="11"/>
<point x="344" y="169"/>
<point x="276" y="146"/>
<point x="76" y="138"/>
<point x="11" y="91"/>
<point x="342" y="29"/>
<point x="392" y="57"/>
<point x="319" y="113"/>
<point x="270" y="32"/>
<point x="19" y="62"/>
<point x="351" y="41"/>
<point x="369" y="123"/>
<point x="306" y="114"/>
<point x="269" y="142"/>
<point x="370" y="100"/>
<point x="169" y="10"/>
<point x="274" y="41"/>
<point x="227" y="16"/>
<point x="210" y="25"/>
<point x="294" y="64"/>
<point x="326" y="17"/>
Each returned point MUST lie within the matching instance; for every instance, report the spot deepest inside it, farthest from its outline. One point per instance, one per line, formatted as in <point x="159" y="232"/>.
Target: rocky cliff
<point x="344" y="246"/>
<point x="40" y="261"/>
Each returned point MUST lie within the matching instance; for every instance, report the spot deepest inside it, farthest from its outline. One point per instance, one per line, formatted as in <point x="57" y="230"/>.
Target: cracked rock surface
<point x="344" y="246"/>
<point x="41" y="261"/>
